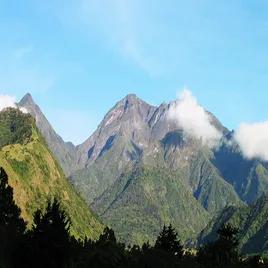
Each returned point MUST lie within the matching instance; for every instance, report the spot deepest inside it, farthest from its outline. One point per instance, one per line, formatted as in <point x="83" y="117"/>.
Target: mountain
<point x="137" y="136"/>
<point x="140" y="170"/>
<point x="144" y="199"/>
<point x="63" y="151"/>
<point x="36" y="176"/>
<point x="250" y="220"/>
<point x="249" y="178"/>
<point x="136" y="132"/>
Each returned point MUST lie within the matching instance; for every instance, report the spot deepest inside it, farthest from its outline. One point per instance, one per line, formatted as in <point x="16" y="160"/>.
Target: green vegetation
<point x="252" y="224"/>
<point x="14" y="127"/>
<point x="149" y="198"/>
<point x="223" y="252"/>
<point x="36" y="176"/>
<point x="50" y="244"/>
<point x="249" y="178"/>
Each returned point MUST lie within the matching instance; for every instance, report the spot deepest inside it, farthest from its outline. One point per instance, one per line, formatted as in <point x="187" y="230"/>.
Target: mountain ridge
<point x="64" y="152"/>
<point x="134" y="133"/>
<point x="36" y="176"/>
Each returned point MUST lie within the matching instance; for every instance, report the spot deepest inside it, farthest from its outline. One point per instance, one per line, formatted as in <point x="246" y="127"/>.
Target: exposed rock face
<point x="64" y="152"/>
<point x="127" y="120"/>
<point x="135" y="136"/>
<point x="134" y="143"/>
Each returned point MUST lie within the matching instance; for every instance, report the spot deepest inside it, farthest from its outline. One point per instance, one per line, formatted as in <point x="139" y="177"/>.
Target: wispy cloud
<point x="253" y="140"/>
<point x="9" y="101"/>
<point x="193" y="118"/>
<point x="195" y="121"/>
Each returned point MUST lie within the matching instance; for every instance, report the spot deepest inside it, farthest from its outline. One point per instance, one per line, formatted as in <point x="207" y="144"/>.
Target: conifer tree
<point x="223" y="252"/>
<point x="12" y="226"/>
<point x="9" y="211"/>
<point x="168" y="241"/>
<point x="51" y="238"/>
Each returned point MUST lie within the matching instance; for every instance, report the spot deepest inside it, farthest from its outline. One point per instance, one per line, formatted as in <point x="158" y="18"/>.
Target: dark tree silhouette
<point x="166" y="253"/>
<point x="9" y="211"/>
<point x="106" y="252"/>
<point x="12" y="226"/>
<point x="254" y="262"/>
<point x="168" y="241"/>
<point x="107" y="237"/>
<point x="223" y="252"/>
<point x="52" y="245"/>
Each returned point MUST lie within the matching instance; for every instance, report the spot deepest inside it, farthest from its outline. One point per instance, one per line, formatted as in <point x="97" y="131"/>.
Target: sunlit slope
<point x="149" y="198"/>
<point x="35" y="175"/>
<point x="252" y="222"/>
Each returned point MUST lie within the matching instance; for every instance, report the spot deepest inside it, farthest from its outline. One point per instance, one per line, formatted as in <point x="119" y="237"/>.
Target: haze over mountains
<point x="147" y="166"/>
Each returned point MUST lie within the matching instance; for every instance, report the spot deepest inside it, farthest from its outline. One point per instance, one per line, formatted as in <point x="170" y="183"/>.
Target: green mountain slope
<point x="142" y="200"/>
<point x="193" y="161"/>
<point x="64" y="152"/>
<point x="35" y="175"/>
<point x="134" y="133"/>
<point x="249" y="178"/>
<point x="252" y="223"/>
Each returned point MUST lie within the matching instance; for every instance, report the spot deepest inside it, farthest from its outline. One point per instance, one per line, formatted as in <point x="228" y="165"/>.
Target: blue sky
<point x="77" y="58"/>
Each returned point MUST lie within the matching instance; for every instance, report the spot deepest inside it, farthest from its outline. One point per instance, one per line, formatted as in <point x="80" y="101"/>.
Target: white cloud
<point x="23" y="110"/>
<point x="7" y="101"/>
<point x="10" y="101"/>
<point x="253" y="140"/>
<point x="194" y="120"/>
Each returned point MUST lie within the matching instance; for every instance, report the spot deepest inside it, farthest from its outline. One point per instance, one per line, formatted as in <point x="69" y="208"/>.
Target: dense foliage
<point x="252" y="224"/>
<point x="15" y="127"/>
<point x="50" y="245"/>
<point x="36" y="176"/>
<point x="144" y="199"/>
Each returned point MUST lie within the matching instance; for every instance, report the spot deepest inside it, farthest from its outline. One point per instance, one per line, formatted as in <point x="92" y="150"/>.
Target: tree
<point x="12" y="226"/>
<point x="50" y="236"/>
<point x="107" y="237"/>
<point x="9" y="211"/>
<point x="168" y="242"/>
<point x="223" y="252"/>
<point x="105" y="252"/>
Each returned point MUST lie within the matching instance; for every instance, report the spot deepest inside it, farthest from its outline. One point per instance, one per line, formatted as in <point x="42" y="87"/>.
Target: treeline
<point x="49" y="244"/>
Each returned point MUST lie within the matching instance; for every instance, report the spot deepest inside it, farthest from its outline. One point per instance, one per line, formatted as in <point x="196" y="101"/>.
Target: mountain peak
<point x="132" y="100"/>
<point x="131" y="96"/>
<point x="26" y="100"/>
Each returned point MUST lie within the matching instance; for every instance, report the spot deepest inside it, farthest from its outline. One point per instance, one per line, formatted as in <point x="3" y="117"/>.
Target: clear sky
<point x="78" y="57"/>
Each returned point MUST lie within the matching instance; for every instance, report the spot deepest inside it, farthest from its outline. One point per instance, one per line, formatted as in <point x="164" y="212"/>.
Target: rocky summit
<point x="140" y="170"/>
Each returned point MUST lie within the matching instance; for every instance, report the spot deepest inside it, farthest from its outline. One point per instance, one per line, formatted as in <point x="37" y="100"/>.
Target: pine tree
<point x="223" y="252"/>
<point x="105" y="252"/>
<point x="168" y="241"/>
<point x="107" y="237"/>
<point x="12" y="226"/>
<point x="50" y="236"/>
<point x="9" y="211"/>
